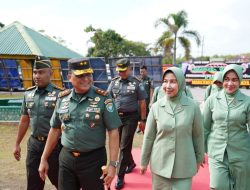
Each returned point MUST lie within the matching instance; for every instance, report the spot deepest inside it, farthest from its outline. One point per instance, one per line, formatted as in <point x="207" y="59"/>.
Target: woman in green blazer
<point x="227" y="140"/>
<point x="215" y="86"/>
<point x="173" y="139"/>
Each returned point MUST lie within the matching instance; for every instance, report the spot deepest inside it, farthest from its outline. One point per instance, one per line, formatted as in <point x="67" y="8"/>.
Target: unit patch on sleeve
<point x="110" y="107"/>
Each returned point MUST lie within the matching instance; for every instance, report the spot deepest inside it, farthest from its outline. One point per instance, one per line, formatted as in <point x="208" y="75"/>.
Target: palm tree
<point x="176" y="29"/>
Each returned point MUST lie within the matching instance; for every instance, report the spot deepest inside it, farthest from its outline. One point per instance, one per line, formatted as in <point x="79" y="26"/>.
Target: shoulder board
<point x="101" y="92"/>
<point x="59" y="88"/>
<point x="115" y="78"/>
<point x="30" y="88"/>
<point x="64" y="93"/>
<point x="137" y="79"/>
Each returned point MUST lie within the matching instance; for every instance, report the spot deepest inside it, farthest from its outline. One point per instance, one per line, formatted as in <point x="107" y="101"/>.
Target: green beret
<point x="42" y="62"/>
<point x="80" y="66"/>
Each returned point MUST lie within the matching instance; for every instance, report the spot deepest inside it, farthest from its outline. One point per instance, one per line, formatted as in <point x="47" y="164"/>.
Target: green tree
<point x="176" y="30"/>
<point x="111" y="44"/>
<point x="131" y="48"/>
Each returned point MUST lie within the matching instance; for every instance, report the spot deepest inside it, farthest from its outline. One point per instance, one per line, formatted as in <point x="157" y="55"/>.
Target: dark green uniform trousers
<point x="34" y="153"/>
<point x="126" y="132"/>
<point x="82" y="170"/>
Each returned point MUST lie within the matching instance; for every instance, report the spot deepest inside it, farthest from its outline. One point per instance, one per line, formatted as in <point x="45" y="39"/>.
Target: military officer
<point x="226" y="119"/>
<point x="127" y="91"/>
<point x="83" y="115"/>
<point x="37" y="108"/>
<point x="173" y="138"/>
<point x="148" y="85"/>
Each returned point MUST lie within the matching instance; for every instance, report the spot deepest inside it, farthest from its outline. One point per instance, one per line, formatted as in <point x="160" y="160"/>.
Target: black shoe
<point x="130" y="168"/>
<point x="119" y="183"/>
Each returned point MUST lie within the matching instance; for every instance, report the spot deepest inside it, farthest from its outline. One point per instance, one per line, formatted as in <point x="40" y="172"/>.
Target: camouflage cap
<point x="80" y="66"/>
<point x="42" y="62"/>
<point x="122" y="64"/>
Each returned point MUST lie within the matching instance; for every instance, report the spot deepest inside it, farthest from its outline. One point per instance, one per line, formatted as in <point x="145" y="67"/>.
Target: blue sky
<point x="224" y="24"/>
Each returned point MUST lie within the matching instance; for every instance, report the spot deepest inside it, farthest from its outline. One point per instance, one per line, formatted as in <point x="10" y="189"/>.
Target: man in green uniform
<point x="83" y="115"/>
<point x="38" y="106"/>
<point x="127" y="92"/>
<point x="149" y="87"/>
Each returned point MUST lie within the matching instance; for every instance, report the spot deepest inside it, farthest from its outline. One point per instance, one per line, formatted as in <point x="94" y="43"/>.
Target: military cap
<point x="42" y="62"/>
<point x="122" y="64"/>
<point x="80" y="66"/>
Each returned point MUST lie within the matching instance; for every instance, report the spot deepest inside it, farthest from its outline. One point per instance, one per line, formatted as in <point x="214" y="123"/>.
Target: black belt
<point x="76" y="153"/>
<point x="127" y="113"/>
<point x="40" y="138"/>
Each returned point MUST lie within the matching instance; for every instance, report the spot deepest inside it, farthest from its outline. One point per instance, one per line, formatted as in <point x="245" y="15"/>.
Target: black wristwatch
<point x="114" y="163"/>
<point x="144" y="120"/>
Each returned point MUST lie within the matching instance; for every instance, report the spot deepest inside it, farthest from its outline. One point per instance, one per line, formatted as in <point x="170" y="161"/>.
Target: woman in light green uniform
<point x="159" y="93"/>
<point x="216" y="86"/>
<point x="173" y="139"/>
<point x="227" y="140"/>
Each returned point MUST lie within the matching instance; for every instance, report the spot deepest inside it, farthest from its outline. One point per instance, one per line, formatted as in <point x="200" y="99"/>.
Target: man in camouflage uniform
<point x="83" y="115"/>
<point x="38" y="106"/>
<point x="127" y="92"/>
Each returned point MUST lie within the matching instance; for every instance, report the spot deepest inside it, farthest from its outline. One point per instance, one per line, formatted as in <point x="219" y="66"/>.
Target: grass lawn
<point x="13" y="173"/>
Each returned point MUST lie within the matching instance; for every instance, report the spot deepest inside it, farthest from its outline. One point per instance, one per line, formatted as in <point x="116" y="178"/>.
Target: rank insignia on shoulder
<point x="101" y="92"/>
<point x="59" y="88"/>
<point x="31" y="88"/>
<point x="138" y="79"/>
<point x="115" y="78"/>
<point x="64" y="93"/>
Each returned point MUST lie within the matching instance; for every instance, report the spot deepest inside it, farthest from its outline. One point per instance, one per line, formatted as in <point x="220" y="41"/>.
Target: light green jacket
<point x="173" y="141"/>
<point x="225" y="127"/>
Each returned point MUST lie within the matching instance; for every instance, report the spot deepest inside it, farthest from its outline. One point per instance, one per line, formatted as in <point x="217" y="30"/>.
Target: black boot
<point x="119" y="183"/>
<point x="130" y="168"/>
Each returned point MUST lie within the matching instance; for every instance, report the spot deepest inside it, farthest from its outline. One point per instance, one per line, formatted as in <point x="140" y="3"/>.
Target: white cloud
<point x="223" y="24"/>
